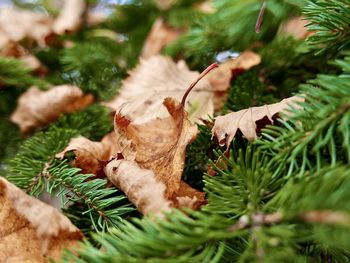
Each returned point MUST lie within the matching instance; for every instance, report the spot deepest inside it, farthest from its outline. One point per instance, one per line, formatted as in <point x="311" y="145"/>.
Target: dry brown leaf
<point x="221" y="77"/>
<point x="16" y="25"/>
<point x="13" y="49"/>
<point x="143" y="92"/>
<point x="140" y="186"/>
<point x="155" y="151"/>
<point x="296" y="27"/>
<point x="159" y="145"/>
<point x="36" y="108"/>
<point x="164" y="4"/>
<point x="160" y="35"/>
<point x="225" y="127"/>
<point x="30" y="230"/>
<point x="205" y="7"/>
<point x="70" y="18"/>
<point x="90" y="156"/>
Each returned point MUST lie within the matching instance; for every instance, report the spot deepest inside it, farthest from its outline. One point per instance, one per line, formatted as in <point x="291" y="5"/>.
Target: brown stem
<point x="313" y="216"/>
<point x="260" y="17"/>
<point x="205" y="72"/>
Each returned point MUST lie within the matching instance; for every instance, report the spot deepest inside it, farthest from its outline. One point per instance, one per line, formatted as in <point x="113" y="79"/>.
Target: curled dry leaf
<point x="160" y="35"/>
<point x="13" y="49"/>
<point x="296" y="27"/>
<point x="90" y="156"/>
<point x="16" y="25"/>
<point x="30" y="230"/>
<point x="155" y="151"/>
<point x="36" y="108"/>
<point x="140" y="186"/>
<point x="221" y="77"/>
<point x="71" y="17"/>
<point x="143" y="92"/>
<point x="159" y="145"/>
<point x="225" y="127"/>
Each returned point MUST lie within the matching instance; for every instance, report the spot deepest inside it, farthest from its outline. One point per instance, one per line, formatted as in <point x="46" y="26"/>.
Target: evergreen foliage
<point x="282" y="198"/>
<point x="332" y="28"/>
<point x="211" y="34"/>
<point x="14" y="73"/>
<point x="92" y="66"/>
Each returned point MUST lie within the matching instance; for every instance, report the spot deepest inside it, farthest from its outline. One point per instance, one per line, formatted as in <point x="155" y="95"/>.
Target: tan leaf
<point x="89" y="155"/>
<point x="160" y="145"/>
<point x="225" y="127"/>
<point x="296" y="27"/>
<point x="143" y="92"/>
<point x="30" y="230"/>
<point x="140" y="186"/>
<point x="36" y="108"/>
<point x="70" y="18"/>
<point x="164" y="4"/>
<point x="160" y="35"/>
<point x="13" y="49"/>
<point x="155" y="153"/>
<point x="221" y="77"/>
<point x="16" y="25"/>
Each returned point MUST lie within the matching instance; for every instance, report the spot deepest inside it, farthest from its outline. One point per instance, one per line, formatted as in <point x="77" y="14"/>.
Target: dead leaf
<point x="221" y="77"/>
<point x="90" y="156"/>
<point x="164" y="4"/>
<point x="140" y="186"/>
<point x="143" y="92"/>
<point x="225" y="127"/>
<point x="71" y="17"/>
<point x="160" y="145"/>
<point x="30" y="230"/>
<point x="17" y="25"/>
<point x="160" y="35"/>
<point x="296" y="27"/>
<point x="156" y="149"/>
<point x="36" y="108"/>
<point x="13" y="49"/>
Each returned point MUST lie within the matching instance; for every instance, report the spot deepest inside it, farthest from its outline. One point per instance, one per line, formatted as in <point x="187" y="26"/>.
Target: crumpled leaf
<point x="13" y="49"/>
<point x="160" y="35"/>
<point x="225" y="127"/>
<point x="160" y="144"/>
<point x="30" y="230"/>
<point x="139" y="185"/>
<point x="164" y="4"/>
<point x="16" y="25"/>
<point x="155" y="151"/>
<point x="221" y="77"/>
<point x="296" y="27"/>
<point x="70" y="18"/>
<point x="143" y="92"/>
<point x="36" y="108"/>
<point x="90" y="156"/>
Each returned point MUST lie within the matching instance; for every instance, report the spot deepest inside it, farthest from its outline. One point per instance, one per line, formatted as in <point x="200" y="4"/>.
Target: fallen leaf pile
<point x="155" y="115"/>
<point x="36" y="108"/>
<point x="30" y="230"/>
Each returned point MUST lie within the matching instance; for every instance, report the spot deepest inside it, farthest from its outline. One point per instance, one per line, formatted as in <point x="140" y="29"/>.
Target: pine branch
<point x="92" y="66"/>
<point x="317" y="135"/>
<point x="232" y="25"/>
<point x="330" y="20"/>
<point x="14" y="73"/>
<point x="104" y="205"/>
